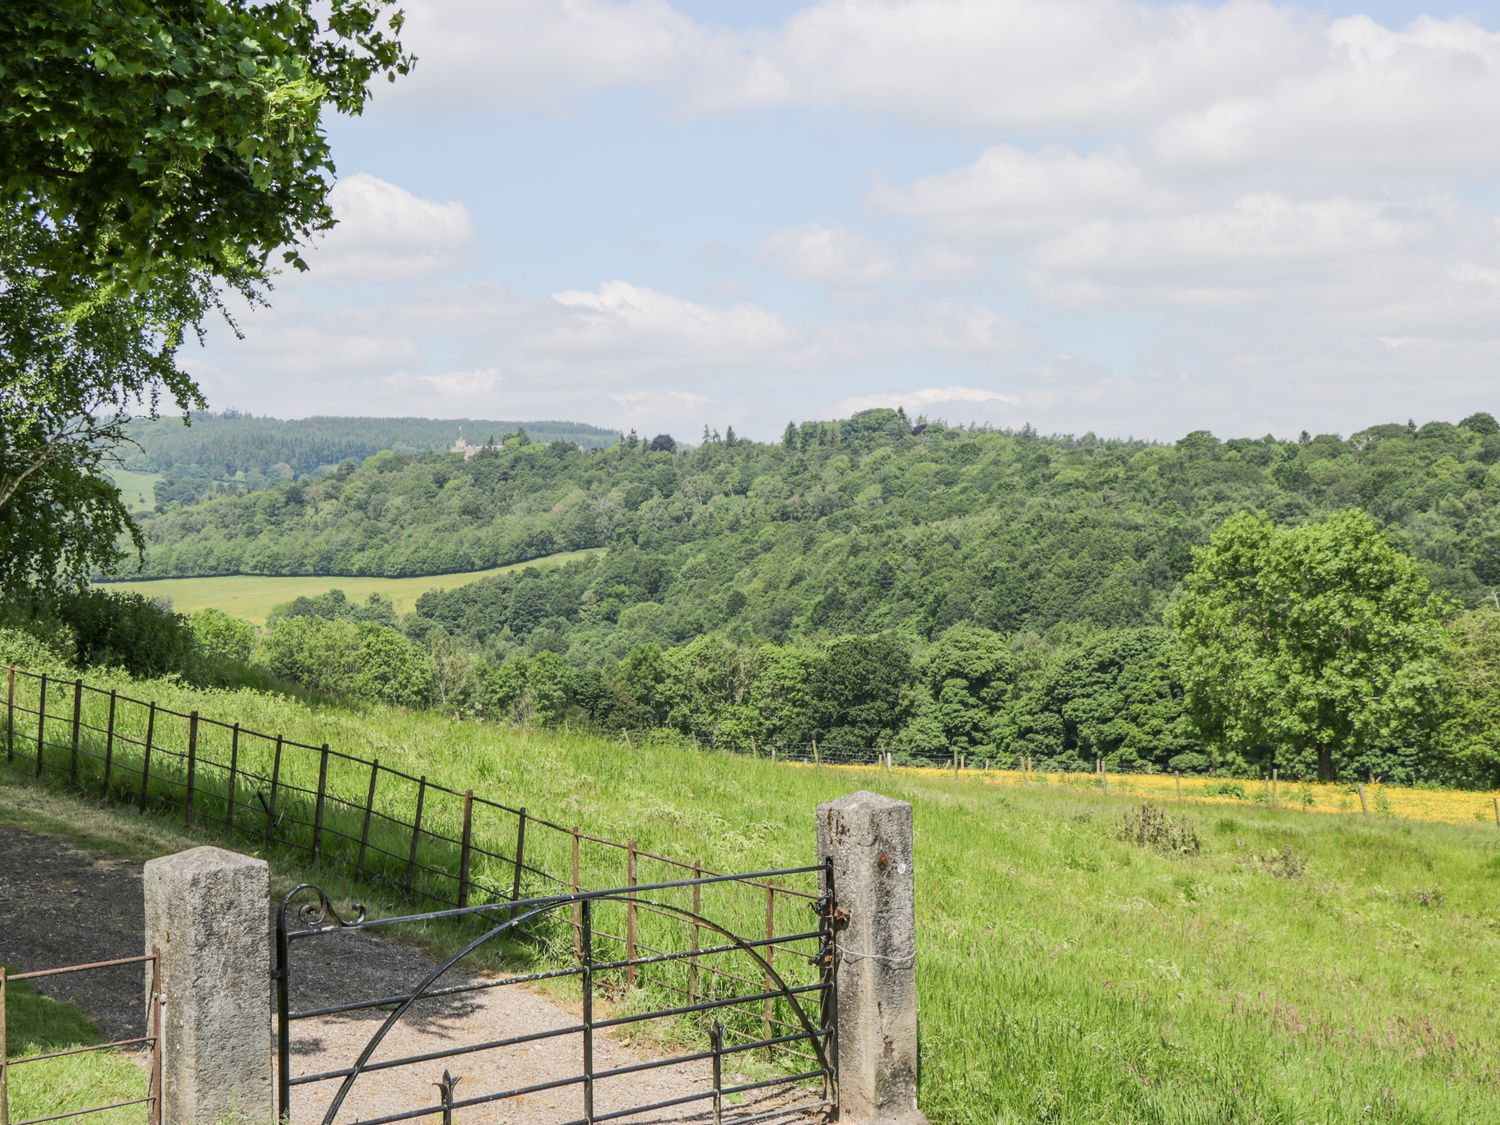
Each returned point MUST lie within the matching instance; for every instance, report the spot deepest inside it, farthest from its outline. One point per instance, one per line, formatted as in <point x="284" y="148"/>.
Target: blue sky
<point x="1087" y="215"/>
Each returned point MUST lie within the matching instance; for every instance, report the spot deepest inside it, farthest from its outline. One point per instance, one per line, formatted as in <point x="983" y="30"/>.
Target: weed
<point x="1284" y="863"/>
<point x="1425" y="896"/>
<point x="1226" y="789"/>
<point x="1152" y="827"/>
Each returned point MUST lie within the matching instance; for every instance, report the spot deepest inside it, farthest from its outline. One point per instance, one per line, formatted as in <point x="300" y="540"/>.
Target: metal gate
<point x="779" y="1021"/>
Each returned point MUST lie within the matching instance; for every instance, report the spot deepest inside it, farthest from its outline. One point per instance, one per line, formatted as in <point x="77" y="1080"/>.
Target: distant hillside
<point x="230" y="444"/>
<point x="857" y="526"/>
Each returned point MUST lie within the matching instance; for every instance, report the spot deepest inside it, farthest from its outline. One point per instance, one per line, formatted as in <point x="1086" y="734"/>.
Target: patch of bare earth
<point x="60" y="905"/>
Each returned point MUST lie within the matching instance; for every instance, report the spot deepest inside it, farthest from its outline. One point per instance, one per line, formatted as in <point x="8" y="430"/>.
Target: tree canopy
<point x="153" y="158"/>
<point x="1308" y="643"/>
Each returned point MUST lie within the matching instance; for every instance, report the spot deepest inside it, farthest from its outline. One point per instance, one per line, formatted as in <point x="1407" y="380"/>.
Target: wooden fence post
<point x="1497" y="810"/>
<point x="146" y="755"/>
<point x="364" y="831"/>
<point x="1274" y="795"/>
<point x="275" y="781"/>
<point x="234" y="771"/>
<point x="318" y="803"/>
<point x="41" y="724"/>
<point x="10" y="717"/>
<point x="77" y="726"/>
<point x="1178" y="774"/>
<point x="109" y="739"/>
<point x="466" y="841"/>
<point x="515" y="883"/>
<point x="577" y="907"/>
<point x="630" y="916"/>
<point x="192" y="764"/>
<point x="416" y="833"/>
<point x="1363" y="807"/>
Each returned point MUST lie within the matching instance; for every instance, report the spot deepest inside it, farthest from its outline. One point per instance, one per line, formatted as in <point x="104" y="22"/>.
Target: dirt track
<point x="60" y="905"/>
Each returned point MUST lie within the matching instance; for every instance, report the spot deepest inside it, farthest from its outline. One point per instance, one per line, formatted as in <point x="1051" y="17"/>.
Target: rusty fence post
<point x="697" y="910"/>
<point x="192" y="765"/>
<point x="77" y="727"/>
<point x="770" y="1006"/>
<point x="275" y="783"/>
<point x="515" y="882"/>
<point x="41" y="724"/>
<point x="4" y="1055"/>
<point x="319" y="802"/>
<point x="466" y="842"/>
<point x="577" y="907"/>
<point x="146" y="756"/>
<point x="416" y="835"/>
<point x="234" y="775"/>
<point x="364" y="830"/>
<point x="109" y="740"/>
<point x="630" y="915"/>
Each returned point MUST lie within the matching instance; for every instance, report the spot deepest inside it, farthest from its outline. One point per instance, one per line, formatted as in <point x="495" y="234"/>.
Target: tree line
<point x="1317" y="650"/>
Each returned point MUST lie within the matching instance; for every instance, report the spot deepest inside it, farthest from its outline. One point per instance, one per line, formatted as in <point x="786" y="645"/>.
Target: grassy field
<point x="1294" y="968"/>
<point x="138" y="489"/>
<point x="36" y="1025"/>
<point x="251" y="597"/>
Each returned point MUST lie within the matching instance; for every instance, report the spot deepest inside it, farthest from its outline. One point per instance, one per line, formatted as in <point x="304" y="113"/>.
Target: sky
<point x="1137" y="219"/>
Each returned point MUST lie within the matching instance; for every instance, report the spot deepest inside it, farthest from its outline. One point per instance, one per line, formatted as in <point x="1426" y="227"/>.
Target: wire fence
<point x="424" y="841"/>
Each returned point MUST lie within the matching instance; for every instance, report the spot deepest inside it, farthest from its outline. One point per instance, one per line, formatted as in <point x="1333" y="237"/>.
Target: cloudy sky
<point x="1109" y="215"/>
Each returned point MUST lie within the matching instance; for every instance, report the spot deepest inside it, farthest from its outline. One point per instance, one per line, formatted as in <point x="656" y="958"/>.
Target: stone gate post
<point x="869" y="839"/>
<point x="207" y="913"/>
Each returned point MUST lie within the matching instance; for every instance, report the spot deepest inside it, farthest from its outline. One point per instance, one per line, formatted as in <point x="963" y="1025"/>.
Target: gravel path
<point x="60" y="905"/>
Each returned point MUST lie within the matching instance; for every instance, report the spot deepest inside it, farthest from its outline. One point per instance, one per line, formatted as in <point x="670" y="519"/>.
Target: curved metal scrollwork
<point x="317" y="911"/>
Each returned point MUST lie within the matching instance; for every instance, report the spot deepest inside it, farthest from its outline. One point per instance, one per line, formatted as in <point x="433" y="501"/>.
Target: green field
<point x="37" y="1024"/>
<point x="138" y="489"/>
<point x="251" y="597"/>
<point x="1294" y="969"/>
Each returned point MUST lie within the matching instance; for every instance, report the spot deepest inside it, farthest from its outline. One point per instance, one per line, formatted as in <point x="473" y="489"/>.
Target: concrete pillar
<point x="869" y="839"/>
<point x="206" y="911"/>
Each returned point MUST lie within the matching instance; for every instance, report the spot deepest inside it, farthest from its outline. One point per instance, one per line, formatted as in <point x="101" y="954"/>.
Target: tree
<point x="1305" y="645"/>
<point x="152" y="158"/>
<point x="860" y="696"/>
<point x="1468" y="736"/>
<point x="221" y="636"/>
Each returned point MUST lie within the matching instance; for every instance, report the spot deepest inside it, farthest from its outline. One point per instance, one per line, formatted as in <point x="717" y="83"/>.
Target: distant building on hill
<point x="461" y="445"/>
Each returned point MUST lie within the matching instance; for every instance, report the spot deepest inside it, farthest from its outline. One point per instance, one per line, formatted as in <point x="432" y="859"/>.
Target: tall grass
<point x="1294" y="969"/>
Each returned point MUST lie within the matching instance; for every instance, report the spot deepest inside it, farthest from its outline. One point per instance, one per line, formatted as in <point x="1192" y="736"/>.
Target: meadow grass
<point x="37" y="1024"/>
<point x="137" y="489"/>
<point x="251" y="597"/>
<point x="1441" y="806"/>
<point x="1295" y="968"/>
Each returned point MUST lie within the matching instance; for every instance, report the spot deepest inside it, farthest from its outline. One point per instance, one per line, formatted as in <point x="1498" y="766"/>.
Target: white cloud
<point x="621" y="326"/>
<point x="385" y="233"/>
<point x="831" y="255"/>
<point x="1009" y="193"/>
<point x="476" y="55"/>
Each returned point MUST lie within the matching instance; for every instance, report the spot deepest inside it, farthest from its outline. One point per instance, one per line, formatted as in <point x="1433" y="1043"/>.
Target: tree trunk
<point x="1325" y="763"/>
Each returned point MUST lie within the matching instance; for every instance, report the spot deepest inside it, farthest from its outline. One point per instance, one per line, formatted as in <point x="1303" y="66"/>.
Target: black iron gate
<point x="782" y="1018"/>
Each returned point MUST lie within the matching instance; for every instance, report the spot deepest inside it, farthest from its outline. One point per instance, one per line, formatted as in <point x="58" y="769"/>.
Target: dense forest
<point x="871" y="582"/>
<point x="856" y="526"/>
<point x="253" y="452"/>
